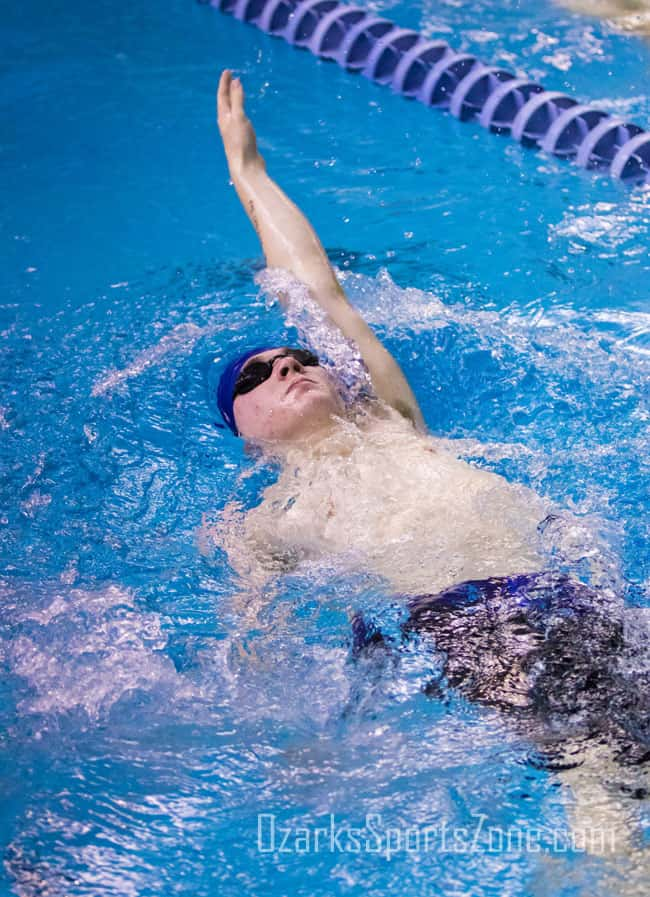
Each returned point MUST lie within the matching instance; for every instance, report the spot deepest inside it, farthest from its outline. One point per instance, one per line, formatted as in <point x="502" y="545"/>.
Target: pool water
<point x="146" y="721"/>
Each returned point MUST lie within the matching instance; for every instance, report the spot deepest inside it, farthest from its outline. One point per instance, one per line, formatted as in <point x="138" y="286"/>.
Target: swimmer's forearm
<point x="288" y="239"/>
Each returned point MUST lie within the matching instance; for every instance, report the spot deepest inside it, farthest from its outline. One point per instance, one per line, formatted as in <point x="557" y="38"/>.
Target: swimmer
<point x="365" y="475"/>
<point x="364" y="484"/>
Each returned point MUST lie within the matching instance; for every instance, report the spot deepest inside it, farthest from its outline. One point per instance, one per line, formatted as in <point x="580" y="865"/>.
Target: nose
<point x="284" y="366"/>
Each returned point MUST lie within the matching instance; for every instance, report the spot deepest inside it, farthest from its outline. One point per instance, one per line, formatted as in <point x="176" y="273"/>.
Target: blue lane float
<point x="433" y="73"/>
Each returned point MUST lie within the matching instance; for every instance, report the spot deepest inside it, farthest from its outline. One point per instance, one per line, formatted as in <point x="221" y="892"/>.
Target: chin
<point x="308" y="420"/>
<point x="317" y="398"/>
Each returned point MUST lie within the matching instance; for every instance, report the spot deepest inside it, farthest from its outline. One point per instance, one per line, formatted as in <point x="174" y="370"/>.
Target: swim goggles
<point x="256" y="372"/>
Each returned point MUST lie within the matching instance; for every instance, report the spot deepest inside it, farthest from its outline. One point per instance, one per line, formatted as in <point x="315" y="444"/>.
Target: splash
<point x="80" y="650"/>
<point x="315" y="328"/>
<point x="557" y="366"/>
<point x="179" y="340"/>
<point x="614" y="229"/>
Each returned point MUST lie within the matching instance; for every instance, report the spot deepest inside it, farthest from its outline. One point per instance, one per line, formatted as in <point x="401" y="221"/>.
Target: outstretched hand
<point x="237" y="132"/>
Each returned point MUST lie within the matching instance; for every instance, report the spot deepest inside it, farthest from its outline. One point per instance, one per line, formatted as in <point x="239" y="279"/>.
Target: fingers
<point x="230" y="96"/>
<point x="223" y="93"/>
<point x="237" y="96"/>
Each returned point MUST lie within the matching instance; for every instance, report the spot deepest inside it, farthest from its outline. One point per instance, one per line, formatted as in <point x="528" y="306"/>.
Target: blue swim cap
<point x="221" y="385"/>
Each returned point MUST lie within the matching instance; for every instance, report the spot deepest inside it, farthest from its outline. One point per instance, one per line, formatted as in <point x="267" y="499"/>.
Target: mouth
<point x="297" y="383"/>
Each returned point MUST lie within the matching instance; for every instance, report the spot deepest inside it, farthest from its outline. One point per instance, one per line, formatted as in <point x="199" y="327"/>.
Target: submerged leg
<point x="605" y="801"/>
<point x="543" y="649"/>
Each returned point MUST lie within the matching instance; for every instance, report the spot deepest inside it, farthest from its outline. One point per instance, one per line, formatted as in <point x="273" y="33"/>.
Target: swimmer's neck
<point x="336" y="437"/>
<point x="333" y="438"/>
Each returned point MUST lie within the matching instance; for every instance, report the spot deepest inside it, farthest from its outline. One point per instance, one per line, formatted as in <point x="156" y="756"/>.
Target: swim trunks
<point x="545" y="648"/>
<point x="517" y="642"/>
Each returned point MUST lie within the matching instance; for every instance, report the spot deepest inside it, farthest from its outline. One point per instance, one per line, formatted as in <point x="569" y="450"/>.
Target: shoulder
<point x="372" y="414"/>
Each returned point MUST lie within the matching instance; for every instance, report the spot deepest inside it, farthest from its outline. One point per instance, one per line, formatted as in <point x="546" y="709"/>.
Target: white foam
<point x="85" y="650"/>
<point x="180" y="339"/>
<point x="315" y="328"/>
<point x="605" y="224"/>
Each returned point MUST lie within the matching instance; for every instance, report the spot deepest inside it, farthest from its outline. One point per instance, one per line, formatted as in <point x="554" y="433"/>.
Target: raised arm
<point x="290" y="242"/>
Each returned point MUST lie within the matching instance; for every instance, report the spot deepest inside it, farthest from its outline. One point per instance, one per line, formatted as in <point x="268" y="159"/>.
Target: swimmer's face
<point x="294" y="402"/>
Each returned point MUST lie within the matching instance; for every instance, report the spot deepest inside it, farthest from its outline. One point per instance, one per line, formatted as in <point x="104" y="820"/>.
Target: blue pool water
<point x="143" y="726"/>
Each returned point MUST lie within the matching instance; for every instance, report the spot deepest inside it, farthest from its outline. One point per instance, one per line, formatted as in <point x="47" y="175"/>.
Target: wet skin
<point x="293" y="404"/>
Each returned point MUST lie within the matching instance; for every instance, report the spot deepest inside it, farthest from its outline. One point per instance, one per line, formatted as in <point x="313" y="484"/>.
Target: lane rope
<point x="435" y="74"/>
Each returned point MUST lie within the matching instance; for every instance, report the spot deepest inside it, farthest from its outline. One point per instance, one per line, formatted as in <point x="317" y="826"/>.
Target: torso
<point x="392" y="502"/>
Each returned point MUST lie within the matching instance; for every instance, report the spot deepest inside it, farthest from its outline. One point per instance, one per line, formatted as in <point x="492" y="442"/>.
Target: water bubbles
<point x="316" y="330"/>
<point x="86" y="650"/>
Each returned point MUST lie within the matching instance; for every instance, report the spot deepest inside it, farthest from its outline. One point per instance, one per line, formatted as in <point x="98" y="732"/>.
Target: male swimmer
<point x="364" y="483"/>
<point x="365" y="475"/>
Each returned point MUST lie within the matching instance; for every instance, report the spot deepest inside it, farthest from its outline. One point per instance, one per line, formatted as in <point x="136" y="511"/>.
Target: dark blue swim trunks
<point x="544" y="646"/>
<point x="514" y="641"/>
